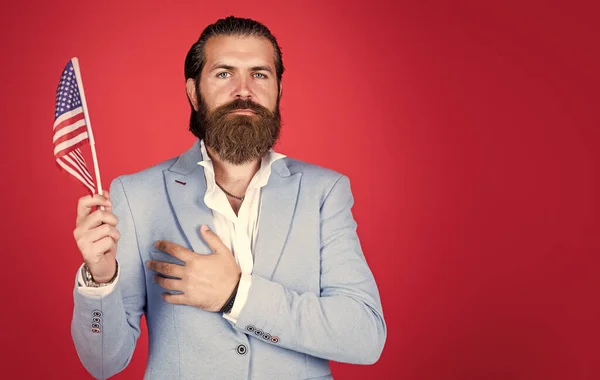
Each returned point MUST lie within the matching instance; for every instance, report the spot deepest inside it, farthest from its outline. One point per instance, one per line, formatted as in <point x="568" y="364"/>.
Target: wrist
<point x="99" y="281"/>
<point x="226" y="308"/>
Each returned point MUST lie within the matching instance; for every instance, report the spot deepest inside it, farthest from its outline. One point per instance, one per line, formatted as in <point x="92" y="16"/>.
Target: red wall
<point x="469" y="130"/>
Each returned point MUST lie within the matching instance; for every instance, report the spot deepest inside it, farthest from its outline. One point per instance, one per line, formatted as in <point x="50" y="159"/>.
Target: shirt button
<point x="241" y="349"/>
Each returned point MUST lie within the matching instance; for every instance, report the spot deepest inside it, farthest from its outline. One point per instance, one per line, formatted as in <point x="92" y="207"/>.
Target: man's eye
<point x="224" y="74"/>
<point x="260" y="75"/>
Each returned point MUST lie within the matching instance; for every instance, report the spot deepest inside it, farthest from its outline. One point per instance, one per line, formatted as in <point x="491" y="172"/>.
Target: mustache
<point x="242" y="104"/>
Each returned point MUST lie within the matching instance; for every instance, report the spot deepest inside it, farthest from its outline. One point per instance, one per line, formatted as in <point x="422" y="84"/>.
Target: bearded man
<point x="245" y="263"/>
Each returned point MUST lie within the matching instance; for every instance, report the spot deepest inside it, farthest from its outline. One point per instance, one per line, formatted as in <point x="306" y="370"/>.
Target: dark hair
<point x="230" y="26"/>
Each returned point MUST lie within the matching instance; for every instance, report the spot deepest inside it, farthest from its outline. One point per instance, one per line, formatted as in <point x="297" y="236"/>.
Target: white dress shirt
<point x="238" y="232"/>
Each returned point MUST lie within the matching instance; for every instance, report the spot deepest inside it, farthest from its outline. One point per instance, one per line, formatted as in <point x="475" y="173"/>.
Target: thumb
<point x="213" y="241"/>
<point x="107" y="196"/>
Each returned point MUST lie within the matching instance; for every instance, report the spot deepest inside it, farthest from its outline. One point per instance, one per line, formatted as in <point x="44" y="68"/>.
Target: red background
<point x="469" y="132"/>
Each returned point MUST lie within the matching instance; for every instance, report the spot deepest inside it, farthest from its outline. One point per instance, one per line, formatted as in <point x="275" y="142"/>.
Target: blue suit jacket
<point x="312" y="299"/>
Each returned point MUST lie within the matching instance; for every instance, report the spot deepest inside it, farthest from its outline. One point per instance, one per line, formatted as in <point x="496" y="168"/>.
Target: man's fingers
<point x="175" y="299"/>
<point x="105" y="230"/>
<point x="85" y="204"/>
<point x="168" y="269"/>
<point x="168" y="283"/>
<point x="174" y="250"/>
<point x="98" y="218"/>
<point x="213" y="241"/>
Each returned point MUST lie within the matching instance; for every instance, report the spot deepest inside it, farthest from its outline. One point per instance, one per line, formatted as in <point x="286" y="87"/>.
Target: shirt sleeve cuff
<point x="98" y="292"/>
<point x="240" y="298"/>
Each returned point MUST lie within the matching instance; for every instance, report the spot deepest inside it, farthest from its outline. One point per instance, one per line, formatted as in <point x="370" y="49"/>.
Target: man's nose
<point x="242" y="89"/>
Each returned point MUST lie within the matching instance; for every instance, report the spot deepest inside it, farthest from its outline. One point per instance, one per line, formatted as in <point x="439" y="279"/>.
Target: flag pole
<point x="87" y="123"/>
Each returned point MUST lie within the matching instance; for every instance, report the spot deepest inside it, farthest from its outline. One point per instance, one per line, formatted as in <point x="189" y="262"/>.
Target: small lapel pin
<point x="183" y="183"/>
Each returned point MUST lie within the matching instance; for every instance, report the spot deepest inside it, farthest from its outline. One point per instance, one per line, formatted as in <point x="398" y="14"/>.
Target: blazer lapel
<point x="278" y="204"/>
<point x="186" y="186"/>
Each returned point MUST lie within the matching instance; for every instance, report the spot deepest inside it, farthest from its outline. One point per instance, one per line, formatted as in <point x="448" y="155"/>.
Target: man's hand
<point x="206" y="281"/>
<point x="97" y="236"/>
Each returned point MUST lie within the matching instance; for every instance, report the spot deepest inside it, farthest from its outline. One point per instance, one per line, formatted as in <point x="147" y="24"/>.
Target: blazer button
<point x="258" y="332"/>
<point x="96" y="313"/>
<point x="95" y="330"/>
<point x="96" y="320"/>
<point x="95" y="325"/>
<point x="274" y="339"/>
<point x="241" y="349"/>
<point x="250" y="328"/>
<point x="267" y="336"/>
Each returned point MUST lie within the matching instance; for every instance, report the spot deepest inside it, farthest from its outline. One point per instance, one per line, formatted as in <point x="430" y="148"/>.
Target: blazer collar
<point x="188" y="162"/>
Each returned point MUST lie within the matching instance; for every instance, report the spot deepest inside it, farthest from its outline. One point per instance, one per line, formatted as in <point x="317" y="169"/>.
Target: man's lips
<point x="243" y="112"/>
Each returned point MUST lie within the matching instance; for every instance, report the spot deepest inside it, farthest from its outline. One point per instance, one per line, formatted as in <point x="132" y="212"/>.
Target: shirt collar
<point x="261" y="177"/>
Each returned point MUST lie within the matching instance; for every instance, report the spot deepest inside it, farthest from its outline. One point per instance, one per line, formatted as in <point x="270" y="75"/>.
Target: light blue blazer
<point x="313" y="297"/>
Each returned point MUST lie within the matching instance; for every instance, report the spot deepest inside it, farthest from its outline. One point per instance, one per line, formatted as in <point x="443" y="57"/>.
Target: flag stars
<point x="67" y="93"/>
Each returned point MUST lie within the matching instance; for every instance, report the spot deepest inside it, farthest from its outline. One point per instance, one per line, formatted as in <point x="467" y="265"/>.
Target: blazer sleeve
<point x="105" y="328"/>
<point x="345" y="321"/>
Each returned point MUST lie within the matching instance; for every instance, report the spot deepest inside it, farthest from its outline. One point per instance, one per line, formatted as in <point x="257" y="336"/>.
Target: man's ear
<point x="190" y="88"/>
<point x="280" y="88"/>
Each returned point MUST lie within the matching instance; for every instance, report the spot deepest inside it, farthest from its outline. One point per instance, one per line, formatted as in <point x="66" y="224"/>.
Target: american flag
<point x="70" y="129"/>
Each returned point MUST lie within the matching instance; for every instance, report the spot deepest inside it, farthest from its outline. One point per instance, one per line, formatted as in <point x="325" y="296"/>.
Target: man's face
<point x="238" y="101"/>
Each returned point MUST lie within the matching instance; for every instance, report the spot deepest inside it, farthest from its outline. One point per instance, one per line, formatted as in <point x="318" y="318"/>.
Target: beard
<point x="238" y="139"/>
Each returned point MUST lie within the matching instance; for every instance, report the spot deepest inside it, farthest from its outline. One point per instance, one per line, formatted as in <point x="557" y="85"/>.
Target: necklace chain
<point x="231" y="195"/>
